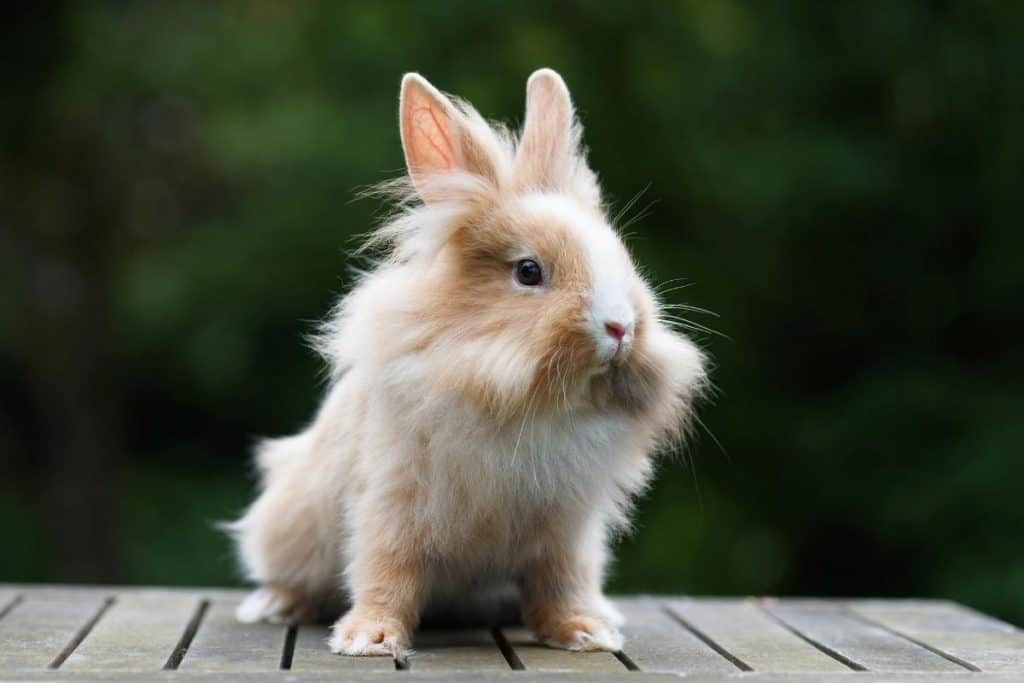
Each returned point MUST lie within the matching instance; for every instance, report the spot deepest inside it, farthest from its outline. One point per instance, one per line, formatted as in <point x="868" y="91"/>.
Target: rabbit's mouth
<point x="621" y="354"/>
<point x="610" y="366"/>
<point x="610" y="351"/>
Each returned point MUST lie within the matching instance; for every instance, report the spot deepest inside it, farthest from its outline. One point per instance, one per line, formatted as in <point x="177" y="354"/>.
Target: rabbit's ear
<point x="548" y="145"/>
<point x="437" y="137"/>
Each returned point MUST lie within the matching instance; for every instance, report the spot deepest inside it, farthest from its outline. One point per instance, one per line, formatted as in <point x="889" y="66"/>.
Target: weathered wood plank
<point x="741" y="629"/>
<point x="504" y="677"/>
<point x="139" y="632"/>
<point x="872" y="647"/>
<point x="136" y="636"/>
<point x="222" y="644"/>
<point x="973" y="638"/>
<point x="537" y="657"/>
<point x="395" y="676"/>
<point x="63" y="589"/>
<point x="658" y="643"/>
<point x="311" y="654"/>
<point x="456" y="650"/>
<point x="38" y="629"/>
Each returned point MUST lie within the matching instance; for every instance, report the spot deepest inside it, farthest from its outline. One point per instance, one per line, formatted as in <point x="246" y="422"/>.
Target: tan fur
<point x="479" y="434"/>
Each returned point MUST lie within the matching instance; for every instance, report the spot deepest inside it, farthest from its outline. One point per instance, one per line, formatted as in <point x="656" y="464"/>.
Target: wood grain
<point x="537" y="657"/>
<point x="871" y="647"/>
<point x="656" y="642"/>
<point x="504" y="677"/>
<point x="311" y="654"/>
<point x="39" y="628"/>
<point x="223" y="644"/>
<point x="707" y="640"/>
<point x="973" y="638"/>
<point x="139" y="632"/>
<point x="744" y="631"/>
<point x="457" y="650"/>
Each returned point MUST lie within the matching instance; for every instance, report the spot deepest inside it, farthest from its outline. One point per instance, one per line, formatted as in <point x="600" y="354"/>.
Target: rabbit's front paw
<point x="580" y="632"/>
<point x="366" y="635"/>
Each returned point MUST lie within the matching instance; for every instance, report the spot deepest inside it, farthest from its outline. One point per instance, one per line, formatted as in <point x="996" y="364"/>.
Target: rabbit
<point x="500" y="383"/>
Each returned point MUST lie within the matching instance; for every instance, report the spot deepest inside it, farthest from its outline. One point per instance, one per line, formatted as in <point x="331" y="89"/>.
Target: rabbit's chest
<point x="499" y="491"/>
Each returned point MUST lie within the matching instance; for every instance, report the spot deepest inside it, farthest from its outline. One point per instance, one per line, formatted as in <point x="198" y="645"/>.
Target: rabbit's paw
<point x="579" y="632"/>
<point x="274" y="604"/>
<point x="362" y="635"/>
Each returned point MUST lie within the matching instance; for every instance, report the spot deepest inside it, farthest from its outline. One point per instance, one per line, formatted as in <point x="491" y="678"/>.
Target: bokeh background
<point x="841" y="182"/>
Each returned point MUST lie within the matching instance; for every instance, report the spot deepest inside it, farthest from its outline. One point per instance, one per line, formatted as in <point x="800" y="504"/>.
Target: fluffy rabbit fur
<point x="481" y="432"/>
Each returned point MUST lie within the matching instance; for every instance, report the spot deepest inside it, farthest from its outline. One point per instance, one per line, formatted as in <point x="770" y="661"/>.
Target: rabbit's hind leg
<point x="287" y="540"/>
<point x="276" y="604"/>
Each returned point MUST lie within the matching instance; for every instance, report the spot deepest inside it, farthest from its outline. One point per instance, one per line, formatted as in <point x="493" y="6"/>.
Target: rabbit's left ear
<point x="550" y="136"/>
<point x="438" y="138"/>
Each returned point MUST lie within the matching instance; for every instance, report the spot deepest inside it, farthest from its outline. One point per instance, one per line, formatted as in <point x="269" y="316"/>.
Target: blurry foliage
<point x="841" y="181"/>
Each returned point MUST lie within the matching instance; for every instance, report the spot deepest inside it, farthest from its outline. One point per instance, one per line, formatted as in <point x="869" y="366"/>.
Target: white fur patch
<point x="612" y="276"/>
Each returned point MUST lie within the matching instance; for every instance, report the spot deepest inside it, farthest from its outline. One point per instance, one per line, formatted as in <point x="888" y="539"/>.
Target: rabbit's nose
<point x="616" y="330"/>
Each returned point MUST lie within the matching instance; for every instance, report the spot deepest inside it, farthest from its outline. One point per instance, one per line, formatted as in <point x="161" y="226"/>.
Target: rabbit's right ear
<point x="547" y="148"/>
<point x="437" y="138"/>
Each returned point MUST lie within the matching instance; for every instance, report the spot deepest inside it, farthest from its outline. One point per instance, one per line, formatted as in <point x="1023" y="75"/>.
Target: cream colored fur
<point x="464" y="450"/>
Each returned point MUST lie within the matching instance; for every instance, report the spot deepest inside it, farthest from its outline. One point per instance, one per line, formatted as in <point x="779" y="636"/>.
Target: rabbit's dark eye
<point x="528" y="273"/>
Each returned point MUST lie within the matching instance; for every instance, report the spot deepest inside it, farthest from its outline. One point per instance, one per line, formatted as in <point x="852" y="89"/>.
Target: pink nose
<point x="616" y="330"/>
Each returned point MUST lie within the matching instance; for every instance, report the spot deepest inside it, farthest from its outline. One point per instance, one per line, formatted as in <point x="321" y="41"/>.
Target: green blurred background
<point x="842" y="182"/>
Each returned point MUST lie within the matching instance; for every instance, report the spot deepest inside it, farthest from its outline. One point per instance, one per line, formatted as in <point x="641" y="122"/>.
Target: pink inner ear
<point x="431" y="147"/>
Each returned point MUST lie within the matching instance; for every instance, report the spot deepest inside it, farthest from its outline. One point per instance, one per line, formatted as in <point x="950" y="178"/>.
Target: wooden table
<point x="131" y="634"/>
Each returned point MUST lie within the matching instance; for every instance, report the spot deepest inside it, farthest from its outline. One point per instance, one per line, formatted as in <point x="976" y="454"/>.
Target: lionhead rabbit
<point x="500" y="382"/>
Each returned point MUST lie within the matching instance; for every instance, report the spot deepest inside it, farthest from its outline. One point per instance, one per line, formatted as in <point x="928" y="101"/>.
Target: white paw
<point x="273" y="605"/>
<point x="607" y="638"/>
<point x="583" y="634"/>
<point x="356" y="635"/>
<point x="258" y="605"/>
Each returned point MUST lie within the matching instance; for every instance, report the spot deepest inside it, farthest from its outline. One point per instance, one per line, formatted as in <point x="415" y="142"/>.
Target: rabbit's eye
<point x="528" y="273"/>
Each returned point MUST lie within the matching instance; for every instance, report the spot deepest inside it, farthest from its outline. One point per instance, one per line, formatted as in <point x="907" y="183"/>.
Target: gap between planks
<point x="626" y="661"/>
<point x="173" y="660"/>
<point x="507" y="651"/>
<point x="707" y="640"/>
<point x="920" y="643"/>
<point x="772" y="608"/>
<point x="763" y="635"/>
<point x="9" y="606"/>
<point x="288" y="650"/>
<point x="189" y="634"/>
<point x="841" y="658"/>
<point x="82" y="633"/>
